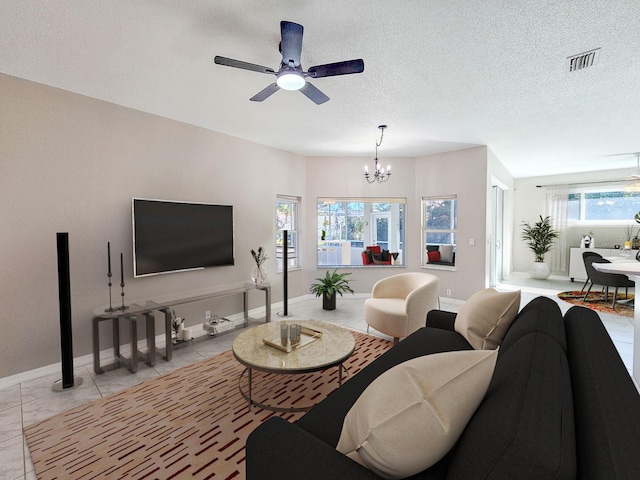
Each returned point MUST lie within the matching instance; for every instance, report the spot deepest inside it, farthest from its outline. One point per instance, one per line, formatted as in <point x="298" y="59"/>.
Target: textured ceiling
<point x="443" y="74"/>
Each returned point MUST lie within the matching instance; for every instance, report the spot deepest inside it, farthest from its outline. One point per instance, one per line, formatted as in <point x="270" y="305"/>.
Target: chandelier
<point x="379" y="174"/>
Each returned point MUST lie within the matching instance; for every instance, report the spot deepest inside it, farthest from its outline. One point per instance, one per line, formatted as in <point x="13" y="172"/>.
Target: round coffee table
<point x="334" y="346"/>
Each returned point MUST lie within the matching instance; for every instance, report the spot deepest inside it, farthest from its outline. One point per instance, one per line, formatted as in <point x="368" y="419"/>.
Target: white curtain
<point x="557" y="199"/>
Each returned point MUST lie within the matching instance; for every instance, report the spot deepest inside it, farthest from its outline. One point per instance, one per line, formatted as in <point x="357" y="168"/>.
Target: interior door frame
<point x="496" y="264"/>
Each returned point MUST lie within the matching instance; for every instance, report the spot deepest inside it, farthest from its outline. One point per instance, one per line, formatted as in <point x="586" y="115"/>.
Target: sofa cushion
<point x="485" y="318"/>
<point x="391" y="308"/>
<point x="433" y="256"/>
<point x="524" y="427"/>
<point x="374" y="248"/>
<point x="412" y="414"/>
<point x="325" y="419"/>
<point x="446" y="253"/>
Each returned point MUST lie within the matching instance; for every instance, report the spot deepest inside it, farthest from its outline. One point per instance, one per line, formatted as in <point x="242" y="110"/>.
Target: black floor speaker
<point x="285" y="274"/>
<point x="64" y="300"/>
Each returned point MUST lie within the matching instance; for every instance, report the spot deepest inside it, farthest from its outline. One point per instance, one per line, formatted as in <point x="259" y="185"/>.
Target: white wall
<point x="530" y="202"/>
<point x="344" y="176"/>
<point x="464" y="173"/>
<point x="71" y="164"/>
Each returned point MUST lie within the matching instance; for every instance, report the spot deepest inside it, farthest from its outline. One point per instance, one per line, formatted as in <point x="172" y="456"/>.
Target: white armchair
<point x="399" y="304"/>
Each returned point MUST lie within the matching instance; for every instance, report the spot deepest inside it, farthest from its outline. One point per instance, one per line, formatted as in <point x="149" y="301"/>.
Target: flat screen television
<point x="173" y="236"/>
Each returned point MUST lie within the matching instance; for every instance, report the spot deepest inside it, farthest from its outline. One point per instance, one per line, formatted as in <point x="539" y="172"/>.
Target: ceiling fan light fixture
<point x="290" y="75"/>
<point x="290" y="80"/>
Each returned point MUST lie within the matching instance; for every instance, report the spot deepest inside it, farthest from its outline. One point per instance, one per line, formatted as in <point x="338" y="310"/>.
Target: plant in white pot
<point x="539" y="238"/>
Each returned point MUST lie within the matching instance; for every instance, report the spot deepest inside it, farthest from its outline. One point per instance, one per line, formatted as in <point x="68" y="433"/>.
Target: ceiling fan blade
<point x="291" y="43"/>
<point x="314" y="94"/>
<point x="339" y="68"/>
<point x="628" y="154"/>
<point x="230" y="62"/>
<point x="265" y="93"/>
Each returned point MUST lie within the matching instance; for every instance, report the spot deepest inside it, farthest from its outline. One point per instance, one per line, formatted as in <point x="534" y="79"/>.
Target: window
<point x="602" y="205"/>
<point x="287" y="219"/>
<point x="347" y="226"/>
<point x="439" y="231"/>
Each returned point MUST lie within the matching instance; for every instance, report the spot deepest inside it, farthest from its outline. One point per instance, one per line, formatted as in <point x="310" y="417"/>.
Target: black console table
<point x="163" y="305"/>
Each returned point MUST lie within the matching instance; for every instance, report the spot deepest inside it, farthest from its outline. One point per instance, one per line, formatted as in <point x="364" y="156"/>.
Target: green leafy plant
<point x="636" y="217"/>
<point x="331" y="283"/>
<point x="539" y="237"/>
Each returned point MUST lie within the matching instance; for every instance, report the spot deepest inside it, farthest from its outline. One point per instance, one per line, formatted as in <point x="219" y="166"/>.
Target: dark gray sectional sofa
<point x="560" y="405"/>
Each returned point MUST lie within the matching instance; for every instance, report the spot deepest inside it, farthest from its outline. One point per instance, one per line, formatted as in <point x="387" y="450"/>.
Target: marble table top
<point x="629" y="267"/>
<point x="334" y="347"/>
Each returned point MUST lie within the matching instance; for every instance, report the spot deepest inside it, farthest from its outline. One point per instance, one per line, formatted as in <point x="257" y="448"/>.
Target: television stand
<point x="163" y="305"/>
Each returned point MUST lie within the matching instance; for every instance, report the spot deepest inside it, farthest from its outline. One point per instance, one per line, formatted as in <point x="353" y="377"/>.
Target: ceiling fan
<point x="635" y="175"/>
<point x="290" y="75"/>
<point x="632" y="181"/>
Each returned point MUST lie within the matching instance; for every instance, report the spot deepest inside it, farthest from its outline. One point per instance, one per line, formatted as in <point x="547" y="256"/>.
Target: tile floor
<point x="27" y="402"/>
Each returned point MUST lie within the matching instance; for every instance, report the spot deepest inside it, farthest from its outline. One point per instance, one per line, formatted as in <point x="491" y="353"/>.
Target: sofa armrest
<point x="605" y="398"/>
<point x="279" y="450"/>
<point x="441" y="319"/>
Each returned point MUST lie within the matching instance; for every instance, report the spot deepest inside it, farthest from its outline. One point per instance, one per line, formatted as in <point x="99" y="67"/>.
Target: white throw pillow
<point x="485" y="318"/>
<point x="411" y="416"/>
<point x="446" y="253"/>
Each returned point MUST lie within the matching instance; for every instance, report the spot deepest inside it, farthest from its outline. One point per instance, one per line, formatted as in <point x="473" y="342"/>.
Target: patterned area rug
<point x="191" y="423"/>
<point x="597" y="301"/>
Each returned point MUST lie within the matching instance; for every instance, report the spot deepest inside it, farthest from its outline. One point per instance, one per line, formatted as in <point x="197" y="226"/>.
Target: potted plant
<point x="635" y="241"/>
<point x="539" y="238"/>
<point x="328" y="286"/>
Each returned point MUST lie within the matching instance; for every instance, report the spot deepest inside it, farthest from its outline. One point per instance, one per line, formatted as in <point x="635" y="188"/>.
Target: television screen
<point x="174" y="236"/>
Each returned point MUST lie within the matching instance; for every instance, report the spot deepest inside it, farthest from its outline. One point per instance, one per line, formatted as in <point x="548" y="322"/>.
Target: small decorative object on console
<point x="109" y="275"/>
<point x="177" y="325"/>
<point x="122" y="307"/>
<point x="588" y="241"/>
<point x="217" y="325"/>
<point x="259" y="273"/>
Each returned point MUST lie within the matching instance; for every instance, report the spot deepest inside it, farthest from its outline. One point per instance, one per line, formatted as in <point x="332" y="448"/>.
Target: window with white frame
<point x="602" y="205"/>
<point x="348" y="228"/>
<point x="439" y="230"/>
<point x="287" y="219"/>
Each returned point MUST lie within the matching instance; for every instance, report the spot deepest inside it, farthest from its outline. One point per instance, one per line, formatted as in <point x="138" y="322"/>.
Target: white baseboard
<point x="107" y="354"/>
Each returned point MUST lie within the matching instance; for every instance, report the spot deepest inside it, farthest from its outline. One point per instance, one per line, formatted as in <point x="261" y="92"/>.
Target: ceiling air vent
<point x="583" y="60"/>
